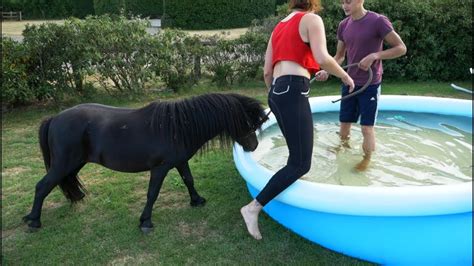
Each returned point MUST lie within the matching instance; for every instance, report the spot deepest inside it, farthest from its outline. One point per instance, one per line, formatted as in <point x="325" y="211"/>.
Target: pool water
<point x="413" y="149"/>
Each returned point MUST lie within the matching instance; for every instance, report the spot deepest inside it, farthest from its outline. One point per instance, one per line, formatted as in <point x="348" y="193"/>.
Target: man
<point x="361" y="36"/>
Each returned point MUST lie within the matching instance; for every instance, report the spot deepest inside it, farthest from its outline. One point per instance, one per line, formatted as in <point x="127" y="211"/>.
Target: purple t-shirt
<point x="361" y="38"/>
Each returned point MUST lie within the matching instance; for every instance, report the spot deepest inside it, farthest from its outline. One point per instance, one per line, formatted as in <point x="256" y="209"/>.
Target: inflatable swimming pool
<point x="416" y="225"/>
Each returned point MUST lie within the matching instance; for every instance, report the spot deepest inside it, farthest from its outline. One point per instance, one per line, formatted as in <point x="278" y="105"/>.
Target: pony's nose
<point x="251" y="147"/>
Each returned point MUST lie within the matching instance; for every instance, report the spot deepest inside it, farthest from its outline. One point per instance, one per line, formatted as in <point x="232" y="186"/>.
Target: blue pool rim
<point x="387" y="225"/>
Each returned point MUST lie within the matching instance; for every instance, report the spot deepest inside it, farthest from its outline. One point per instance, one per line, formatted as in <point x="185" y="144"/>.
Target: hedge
<point x="215" y="14"/>
<point x="437" y="33"/>
<point x="58" y="9"/>
<point x="145" y="8"/>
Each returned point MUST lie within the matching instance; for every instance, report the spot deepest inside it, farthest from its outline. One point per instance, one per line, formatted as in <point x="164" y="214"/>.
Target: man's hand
<point x="321" y="75"/>
<point x="367" y="61"/>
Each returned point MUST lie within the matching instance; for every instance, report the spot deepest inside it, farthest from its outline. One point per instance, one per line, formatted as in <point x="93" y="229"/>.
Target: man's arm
<point x="340" y="52"/>
<point x="339" y="57"/>
<point x="397" y="49"/>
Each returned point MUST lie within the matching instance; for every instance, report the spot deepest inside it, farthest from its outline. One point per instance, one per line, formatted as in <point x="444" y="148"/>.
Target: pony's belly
<point x="122" y="164"/>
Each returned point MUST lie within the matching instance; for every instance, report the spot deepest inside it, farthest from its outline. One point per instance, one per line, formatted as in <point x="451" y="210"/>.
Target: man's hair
<point x="306" y="5"/>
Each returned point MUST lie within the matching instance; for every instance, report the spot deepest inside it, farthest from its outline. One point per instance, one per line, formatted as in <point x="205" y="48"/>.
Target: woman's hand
<point x="321" y="75"/>
<point x="347" y="80"/>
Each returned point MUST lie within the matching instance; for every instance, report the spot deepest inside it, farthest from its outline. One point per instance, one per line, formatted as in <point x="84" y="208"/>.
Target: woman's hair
<point x="306" y="5"/>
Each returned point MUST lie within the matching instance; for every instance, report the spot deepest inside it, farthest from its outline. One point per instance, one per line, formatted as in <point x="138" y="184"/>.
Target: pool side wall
<point x="400" y="226"/>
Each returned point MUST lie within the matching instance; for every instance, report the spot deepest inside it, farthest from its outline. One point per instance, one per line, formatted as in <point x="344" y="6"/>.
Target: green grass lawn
<point x="103" y="229"/>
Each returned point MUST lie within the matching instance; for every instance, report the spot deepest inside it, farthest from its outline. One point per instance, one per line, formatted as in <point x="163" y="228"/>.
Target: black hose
<point x="369" y="80"/>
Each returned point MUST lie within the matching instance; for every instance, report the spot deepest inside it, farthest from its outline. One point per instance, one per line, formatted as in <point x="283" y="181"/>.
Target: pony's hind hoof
<point x="26" y="219"/>
<point x="146" y="230"/>
<point x="199" y="202"/>
<point x="32" y="229"/>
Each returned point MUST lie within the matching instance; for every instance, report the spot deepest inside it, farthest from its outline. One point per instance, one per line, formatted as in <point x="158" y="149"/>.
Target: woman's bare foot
<point x="250" y="213"/>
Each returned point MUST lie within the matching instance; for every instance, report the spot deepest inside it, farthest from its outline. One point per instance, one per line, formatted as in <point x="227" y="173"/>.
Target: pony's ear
<point x="263" y="118"/>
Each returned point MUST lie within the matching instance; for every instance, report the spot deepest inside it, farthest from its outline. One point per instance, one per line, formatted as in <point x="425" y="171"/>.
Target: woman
<point x="296" y="50"/>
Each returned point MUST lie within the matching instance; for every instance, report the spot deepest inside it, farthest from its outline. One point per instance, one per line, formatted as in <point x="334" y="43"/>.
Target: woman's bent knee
<point x="302" y="168"/>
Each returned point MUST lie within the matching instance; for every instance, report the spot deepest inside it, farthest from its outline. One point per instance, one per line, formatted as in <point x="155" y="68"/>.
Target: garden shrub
<point x="144" y="8"/>
<point x="110" y="7"/>
<point x="215" y="14"/>
<point x="58" y="9"/>
<point x="122" y="52"/>
<point x="438" y="35"/>
<point x="50" y="69"/>
<point x="175" y="59"/>
<point x="250" y="48"/>
<point x="82" y="8"/>
<point x="221" y="61"/>
<point x="15" y="89"/>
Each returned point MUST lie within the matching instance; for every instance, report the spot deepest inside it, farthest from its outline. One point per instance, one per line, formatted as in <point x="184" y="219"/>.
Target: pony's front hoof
<point x="32" y="223"/>
<point x="32" y="229"/>
<point x="146" y="230"/>
<point x="146" y="226"/>
<point x="33" y="226"/>
<point x="198" y="202"/>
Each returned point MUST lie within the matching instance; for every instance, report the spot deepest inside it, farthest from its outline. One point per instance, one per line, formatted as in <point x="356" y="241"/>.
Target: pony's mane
<point x="194" y="120"/>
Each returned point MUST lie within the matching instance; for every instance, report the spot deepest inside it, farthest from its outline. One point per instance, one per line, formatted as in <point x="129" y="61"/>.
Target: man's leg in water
<point x="345" y="134"/>
<point x="368" y="146"/>
<point x="368" y="106"/>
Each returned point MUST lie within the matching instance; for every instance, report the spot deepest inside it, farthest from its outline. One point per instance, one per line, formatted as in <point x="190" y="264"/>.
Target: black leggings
<point x="288" y="100"/>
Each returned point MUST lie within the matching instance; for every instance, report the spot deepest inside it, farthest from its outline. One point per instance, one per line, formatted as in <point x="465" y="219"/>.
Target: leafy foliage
<point x="109" y="7"/>
<point x="56" y="60"/>
<point x="121" y="51"/>
<point x="438" y="35"/>
<point x="176" y="58"/>
<point x="54" y="9"/>
<point x="215" y="14"/>
<point x="15" y="87"/>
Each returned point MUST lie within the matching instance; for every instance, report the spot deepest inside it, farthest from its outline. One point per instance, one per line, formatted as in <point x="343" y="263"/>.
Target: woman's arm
<point x="317" y="39"/>
<point x="268" y="67"/>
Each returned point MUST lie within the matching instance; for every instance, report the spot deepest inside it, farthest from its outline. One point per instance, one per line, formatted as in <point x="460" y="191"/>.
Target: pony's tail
<point x="44" y="145"/>
<point x="71" y="187"/>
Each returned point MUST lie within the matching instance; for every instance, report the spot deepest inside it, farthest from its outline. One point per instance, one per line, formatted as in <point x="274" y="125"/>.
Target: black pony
<point x="157" y="137"/>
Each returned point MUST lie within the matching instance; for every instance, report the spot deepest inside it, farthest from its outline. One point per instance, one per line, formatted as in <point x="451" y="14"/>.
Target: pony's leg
<point x="42" y="190"/>
<point x="188" y="179"/>
<point x="156" y="180"/>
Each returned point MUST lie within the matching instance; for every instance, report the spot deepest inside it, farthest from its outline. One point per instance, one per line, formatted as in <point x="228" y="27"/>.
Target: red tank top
<point x="287" y="44"/>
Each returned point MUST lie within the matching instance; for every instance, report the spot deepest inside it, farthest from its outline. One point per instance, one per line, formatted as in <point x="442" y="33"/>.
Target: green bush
<point x="46" y="9"/>
<point x="49" y="46"/>
<point x="111" y="7"/>
<point x="178" y="58"/>
<point x="222" y="62"/>
<point x="141" y="8"/>
<point x="82" y="8"/>
<point x="15" y="89"/>
<point x="12" y="5"/>
<point x="144" y="8"/>
<point x="49" y="9"/>
<point x="121" y="52"/>
<point x="56" y="9"/>
<point x="250" y="48"/>
<point x="215" y="14"/>
<point x="438" y="35"/>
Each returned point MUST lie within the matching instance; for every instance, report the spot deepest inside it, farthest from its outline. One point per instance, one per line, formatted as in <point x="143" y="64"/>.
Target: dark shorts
<point x="363" y="105"/>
